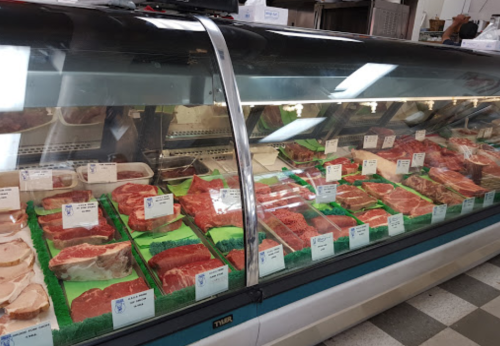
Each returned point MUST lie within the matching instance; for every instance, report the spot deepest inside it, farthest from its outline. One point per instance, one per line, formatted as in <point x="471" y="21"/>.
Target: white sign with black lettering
<point x="39" y="335"/>
<point x="439" y="213"/>
<point x="326" y="193"/>
<point x="331" y="146"/>
<point x="9" y="198"/>
<point x="468" y="205"/>
<point x="418" y="160"/>
<point x="396" y="224"/>
<point x="333" y="173"/>
<point x="488" y="132"/>
<point x="271" y="261"/>
<point x="370" y="142"/>
<point x="388" y="142"/>
<point x="403" y="167"/>
<point x="212" y="282"/>
<point x="420" y="135"/>
<point x="322" y="246"/>
<point x="158" y="206"/>
<point x="132" y="309"/>
<point x="359" y="236"/>
<point x="35" y="180"/>
<point x="489" y="197"/>
<point x="80" y="215"/>
<point x="102" y="172"/>
<point x="369" y="167"/>
<point x="231" y="198"/>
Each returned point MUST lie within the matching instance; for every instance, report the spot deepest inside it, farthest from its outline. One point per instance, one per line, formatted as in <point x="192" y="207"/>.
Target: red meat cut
<point x="184" y="276"/>
<point x="237" y="257"/>
<point x="96" y="235"/>
<point x="51" y="231"/>
<point x="178" y="256"/>
<point x="377" y="190"/>
<point x="56" y="219"/>
<point x="341" y="221"/>
<point x="133" y="201"/>
<point x="374" y="217"/>
<point x="405" y="202"/>
<point x="437" y="192"/>
<point x="490" y="178"/>
<point x="347" y="166"/>
<point x="457" y="182"/>
<point x="56" y="201"/>
<point x="137" y="220"/>
<point x="123" y="192"/>
<point x="394" y="154"/>
<point x="352" y="178"/>
<point x="209" y="219"/>
<point x="199" y="185"/>
<point x="195" y="203"/>
<point x="352" y="198"/>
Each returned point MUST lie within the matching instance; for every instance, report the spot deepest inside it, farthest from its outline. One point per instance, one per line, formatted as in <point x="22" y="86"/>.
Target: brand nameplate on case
<point x="133" y="308"/>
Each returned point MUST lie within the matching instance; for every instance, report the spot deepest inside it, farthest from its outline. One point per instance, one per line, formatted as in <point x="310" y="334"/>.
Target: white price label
<point x="370" y="142"/>
<point x="333" y="173"/>
<point x="359" y="236"/>
<point x="271" y="261"/>
<point x="388" y="142"/>
<point x="369" y="167"/>
<point x="488" y="132"/>
<point x="420" y="135"/>
<point x="467" y="152"/>
<point x="418" y="160"/>
<point x="9" y="198"/>
<point x="80" y="215"/>
<point x="132" y="309"/>
<point x="331" y="146"/>
<point x="158" y="206"/>
<point x="489" y="197"/>
<point x="39" y="335"/>
<point x="231" y="198"/>
<point x="403" y="167"/>
<point x="212" y="282"/>
<point x="101" y="172"/>
<point x="480" y="133"/>
<point x="35" y="180"/>
<point x="439" y="213"/>
<point x="326" y="193"/>
<point x="322" y="246"/>
<point x="396" y="224"/>
<point x="468" y="205"/>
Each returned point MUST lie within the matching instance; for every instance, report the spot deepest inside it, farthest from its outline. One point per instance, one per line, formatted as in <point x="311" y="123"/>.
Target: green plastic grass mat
<point x="183" y="232"/>
<point x="157" y="247"/>
<point x="224" y="233"/>
<point x="335" y="211"/>
<point x="298" y="179"/>
<point x="182" y="189"/>
<point x="83" y="331"/>
<point x="311" y="144"/>
<point x="226" y="245"/>
<point x="40" y="211"/>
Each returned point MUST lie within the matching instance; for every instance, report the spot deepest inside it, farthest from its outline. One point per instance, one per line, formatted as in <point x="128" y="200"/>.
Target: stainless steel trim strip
<point x="242" y="145"/>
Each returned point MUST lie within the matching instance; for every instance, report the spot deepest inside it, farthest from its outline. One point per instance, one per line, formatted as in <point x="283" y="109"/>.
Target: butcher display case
<point x="164" y="169"/>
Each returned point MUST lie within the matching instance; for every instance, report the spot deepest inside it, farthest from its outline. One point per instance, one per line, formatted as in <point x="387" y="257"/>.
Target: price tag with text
<point x="132" y="309"/>
<point x="35" y="180"/>
<point x="326" y="193"/>
<point x="420" y="135"/>
<point x="359" y="236"/>
<point x="403" y="167"/>
<point x="271" y="260"/>
<point x="488" y="132"/>
<point x="439" y="213"/>
<point x="418" y="160"/>
<point x="396" y="224"/>
<point x="322" y="246"/>
<point x="388" y="142"/>
<point x="158" y="206"/>
<point x="231" y="198"/>
<point x="370" y="142"/>
<point x="468" y="205"/>
<point x="80" y="215"/>
<point x="211" y="282"/>
<point x="489" y="198"/>
<point x="369" y="167"/>
<point x="9" y="198"/>
<point x="39" y="335"/>
<point x="333" y="173"/>
<point x="331" y="146"/>
<point x="102" y="172"/>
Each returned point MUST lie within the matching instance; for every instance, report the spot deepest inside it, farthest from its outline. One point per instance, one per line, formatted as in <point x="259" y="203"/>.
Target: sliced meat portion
<point x="56" y="219"/>
<point x="405" y="202"/>
<point x="51" y="231"/>
<point x="437" y="192"/>
<point x="394" y="154"/>
<point x="14" y="252"/>
<point x="210" y="219"/>
<point x="462" y="145"/>
<point x="96" y="235"/>
<point x="375" y="217"/>
<point x="137" y="220"/>
<point x="184" y="276"/>
<point x="490" y="178"/>
<point x="385" y="168"/>
<point x="341" y="221"/>
<point x="9" y="325"/>
<point x="347" y="166"/>
<point x="133" y="201"/>
<point x="237" y="257"/>
<point x="352" y="178"/>
<point x="14" y="220"/>
<point x="457" y="182"/>
<point x="56" y="201"/>
<point x="352" y="198"/>
<point x="32" y="301"/>
<point x="199" y="185"/>
<point x="179" y="256"/>
<point x="192" y="204"/>
<point x="377" y="190"/>
<point x="293" y="189"/>
<point x="10" y="290"/>
<point x="122" y="192"/>
<point x="12" y="272"/>
<point x="492" y="155"/>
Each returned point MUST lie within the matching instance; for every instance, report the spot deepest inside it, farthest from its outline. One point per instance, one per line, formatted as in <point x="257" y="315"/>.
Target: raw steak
<point x="199" y="185"/>
<point x="293" y="189"/>
<point x="32" y="301"/>
<point x="51" y="231"/>
<point x="93" y="262"/>
<point x="307" y="235"/>
<point x="178" y="256"/>
<point x="56" y="201"/>
<point x="347" y="166"/>
<point x="352" y="198"/>
<point x="405" y="202"/>
<point x="96" y="302"/>
<point x="394" y="154"/>
<point x="122" y="192"/>
<point x="290" y="238"/>
<point x="385" y="168"/>
<point x="457" y="182"/>
<point x="437" y="192"/>
<point x="377" y="190"/>
<point x="341" y="221"/>
<point x="138" y="222"/>
<point x="462" y="145"/>
<point x="296" y="152"/>
<point x="133" y="201"/>
<point x="492" y="155"/>
<point x="184" y="276"/>
<point x="56" y="219"/>
<point x="12" y="272"/>
<point x="294" y="221"/>
<point x="352" y="178"/>
<point x="209" y="219"/>
<point x="10" y="290"/>
<point x="237" y="257"/>
<point x="374" y="217"/>
<point x="195" y="203"/>
<point x="96" y="235"/>
<point x="490" y="179"/>
<point x="14" y="252"/>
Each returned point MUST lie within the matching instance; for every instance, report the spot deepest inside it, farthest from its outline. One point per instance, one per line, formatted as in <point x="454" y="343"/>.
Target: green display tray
<point x="183" y="188"/>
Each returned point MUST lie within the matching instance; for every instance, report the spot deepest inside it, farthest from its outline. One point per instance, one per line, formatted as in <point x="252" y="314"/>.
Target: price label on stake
<point x="101" y="172"/>
<point x="9" y="198"/>
<point x="420" y="135"/>
<point x="80" y="215"/>
<point x="396" y="224"/>
<point x="40" y="335"/>
<point x="480" y="134"/>
<point x="210" y="283"/>
<point x="418" y="160"/>
<point x="231" y="198"/>
<point x="403" y="167"/>
<point x="359" y="236"/>
<point x="35" y="180"/>
<point x="331" y="146"/>
<point x="369" y="167"/>
<point x="271" y="261"/>
<point x="158" y="206"/>
<point x="489" y="197"/>
<point x="326" y="193"/>
<point x="333" y="173"/>
<point x="467" y="205"/>
<point x="132" y="309"/>
<point x="488" y="132"/>
<point x="439" y="213"/>
<point x="322" y="246"/>
<point x="388" y="142"/>
<point x="370" y="142"/>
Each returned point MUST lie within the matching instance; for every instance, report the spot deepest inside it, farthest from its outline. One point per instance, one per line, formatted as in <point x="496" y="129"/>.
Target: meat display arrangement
<point x="295" y="189"/>
<point x="178" y="256"/>
<point x="133" y="201"/>
<point x="50" y="231"/>
<point x="96" y="235"/>
<point x="193" y="204"/>
<point x="352" y="198"/>
<point x="297" y="224"/>
<point x="96" y="302"/>
<point x="377" y="190"/>
<point x="122" y="175"/>
<point x="374" y="217"/>
<point x="14" y="252"/>
<point x="462" y="145"/>
<point x="457" y="182"/>
<point x="199" y="185"/>
<point x="490" y="178"/>
<point x="209" y="219"/>
<point x="10" y="290"/>
<point x="352" y="178"/>
<point x="123" y="192"/>
<point x="56" y="219"/>
<point x="32" y="301"/>
<point x="405" y="202"/>
<point x="437" y="192"/>
<point x="341" y="221"/>
<point x="347" y="166"/>
<point x="394" y="154"/>
<point x="184" y="276"/>
<point x="385" y="168"/>
<point x="137" y="220"/>
<point x="237" y="257"/>
<point x="56" y="201"/>
<point x="93" y="262"/>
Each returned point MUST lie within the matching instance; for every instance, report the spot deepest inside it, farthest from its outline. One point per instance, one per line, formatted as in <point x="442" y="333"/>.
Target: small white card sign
<point x="480" y="133"/>
<point x="359" y="236"/>
<point x="439" y="213"/>
<point x="39" y="335"/>
<point x="271" y="260"/>
<point x="102" y="172"/>
<point x="80" y="215"/>
<point x="369" y="167"/>
<point x="370" y="142"/>
<point x="132" y="309"/>
<point x="326" y="193"/>
<point x="35" y="179"/>
<point x="9" y="198"/>
<point x="403" y="167"/>
<point x="331" y="146"/>
<point x="333" y="173"/>
<point x="489" y="197"/>
<point x="488" y="132"/>
<point x="158" y="206"/>
<point x="396" y="224"/>
<point x="231" y="198"/>
<point x="388" y="142"/>
<point x="467" y="205"/>
<point x="211" y="283"/>
<point x="420" y="135"/>
<point x="322" y="246"/>
<point x="418" y="160"/>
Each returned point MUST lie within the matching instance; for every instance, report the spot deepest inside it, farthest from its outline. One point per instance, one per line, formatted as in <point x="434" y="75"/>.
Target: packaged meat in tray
<point x="34" y="124"/>
<point x="176" y="169"/>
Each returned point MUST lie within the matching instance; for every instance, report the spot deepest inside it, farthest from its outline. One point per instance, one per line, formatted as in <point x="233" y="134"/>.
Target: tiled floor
<point x="464" y="311"/>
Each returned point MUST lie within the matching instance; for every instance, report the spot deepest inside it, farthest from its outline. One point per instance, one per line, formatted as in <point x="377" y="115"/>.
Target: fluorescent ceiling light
<point x="319" y="37"/>
<point x="291" y="130"/>
<point x="174" y="24"/>
<point x="14" y="71"/>
<point x="361" y="80"/>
